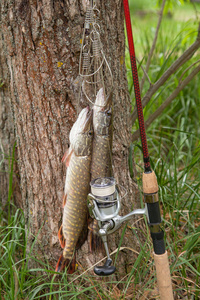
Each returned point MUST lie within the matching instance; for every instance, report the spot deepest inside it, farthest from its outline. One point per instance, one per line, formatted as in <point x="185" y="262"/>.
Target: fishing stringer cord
<point x="150" y="185"/>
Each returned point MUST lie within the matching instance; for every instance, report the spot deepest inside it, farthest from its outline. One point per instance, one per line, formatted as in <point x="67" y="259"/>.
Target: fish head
<point x="102" y="113"/>
<point x="81" y="134"/>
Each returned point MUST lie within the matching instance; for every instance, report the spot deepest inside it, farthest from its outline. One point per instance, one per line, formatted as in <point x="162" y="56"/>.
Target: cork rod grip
<point x="149" y="182"/>
<point x="163" y="276"/>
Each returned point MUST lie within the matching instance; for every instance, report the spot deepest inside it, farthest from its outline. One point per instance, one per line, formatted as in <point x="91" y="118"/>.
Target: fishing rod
<point x="150" y="185"/>
<point x="104" y="200"/>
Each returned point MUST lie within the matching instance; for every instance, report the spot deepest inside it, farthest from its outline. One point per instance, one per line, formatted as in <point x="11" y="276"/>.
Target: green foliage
<point x="142" y="5"/>
<point x="175" y="155"/>
<point x="174" y="142"/>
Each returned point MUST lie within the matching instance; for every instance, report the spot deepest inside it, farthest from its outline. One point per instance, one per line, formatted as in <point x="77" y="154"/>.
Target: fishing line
<point x="94" y="69"/>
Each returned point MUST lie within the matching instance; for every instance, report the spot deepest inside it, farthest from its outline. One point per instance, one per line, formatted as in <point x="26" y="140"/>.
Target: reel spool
<point x="106" y="202"/>
<point x="104" y="206"/>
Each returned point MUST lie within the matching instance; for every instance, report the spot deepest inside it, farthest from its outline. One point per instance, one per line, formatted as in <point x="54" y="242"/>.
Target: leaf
<point x="192" y="241"/>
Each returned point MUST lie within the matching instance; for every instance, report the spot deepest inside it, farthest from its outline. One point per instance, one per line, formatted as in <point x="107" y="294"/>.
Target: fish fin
<point x="61" y="237"/>
<point x="67" y="156"/>
<point x="61" y="264"/>
<point x="69" y="263"/>
<point x="73" y="265"/>
<point x="64" y="199"/>
<point x="95" y="241"/>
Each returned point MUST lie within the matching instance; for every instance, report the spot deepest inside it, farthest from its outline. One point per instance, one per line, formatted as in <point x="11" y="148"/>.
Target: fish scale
<point x="102" y="149"/>
<point x="75" y="209"/>
<point x="102" y="141"/>
<point x="77" y="184"/>
<point x="101" y="163"/>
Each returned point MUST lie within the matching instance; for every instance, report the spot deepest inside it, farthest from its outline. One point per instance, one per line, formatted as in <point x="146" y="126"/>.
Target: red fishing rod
<point x="150" y="185"/>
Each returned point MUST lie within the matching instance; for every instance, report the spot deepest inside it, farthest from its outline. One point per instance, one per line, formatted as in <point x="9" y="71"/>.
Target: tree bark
<point x="40" y="48"/>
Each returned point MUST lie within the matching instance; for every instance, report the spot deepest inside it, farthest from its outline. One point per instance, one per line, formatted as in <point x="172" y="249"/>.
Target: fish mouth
<point x="88" y="119"/>
<point x="102" y="102"/>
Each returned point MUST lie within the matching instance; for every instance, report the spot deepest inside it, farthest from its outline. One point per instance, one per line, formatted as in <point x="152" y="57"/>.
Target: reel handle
<point x="106" y="269"/>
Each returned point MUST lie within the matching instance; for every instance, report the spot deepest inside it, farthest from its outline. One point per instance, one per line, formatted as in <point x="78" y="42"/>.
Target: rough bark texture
<point x="40" y="47"/>
<point x="6" y="126"/>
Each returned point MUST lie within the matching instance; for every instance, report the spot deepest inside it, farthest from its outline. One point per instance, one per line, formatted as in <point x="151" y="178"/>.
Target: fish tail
<point x="63" y="263"/>
<point x="95" y="242"/>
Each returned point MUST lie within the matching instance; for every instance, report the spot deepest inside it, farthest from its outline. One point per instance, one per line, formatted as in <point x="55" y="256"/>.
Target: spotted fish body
<point x="78" y="161"/>
<point x="102" y="150"/>
<point x="75" y="209"/>
<point x="102" y="141"/>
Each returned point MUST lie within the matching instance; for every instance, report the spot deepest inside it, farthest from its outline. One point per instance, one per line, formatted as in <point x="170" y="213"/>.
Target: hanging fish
<point x="78" y="161"/>
<point x="102" y="142"/>
<point x="102" y="147"/>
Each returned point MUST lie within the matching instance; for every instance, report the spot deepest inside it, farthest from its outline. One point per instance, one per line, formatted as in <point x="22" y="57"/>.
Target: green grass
<point x="174" y="147"/>
<point x="174" y="142"/>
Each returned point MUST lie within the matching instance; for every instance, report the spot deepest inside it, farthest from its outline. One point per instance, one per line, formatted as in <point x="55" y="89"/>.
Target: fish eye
<point x="109" y="112"/>
<point x="90" y="132"/>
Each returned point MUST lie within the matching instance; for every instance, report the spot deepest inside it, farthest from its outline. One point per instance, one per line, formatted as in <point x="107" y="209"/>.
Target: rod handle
<point x="163" y="276"/>
<point x="149" y="183"/>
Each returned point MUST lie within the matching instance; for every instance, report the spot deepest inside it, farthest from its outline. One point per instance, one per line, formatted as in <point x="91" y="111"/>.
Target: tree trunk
<point x="40" y="48"/>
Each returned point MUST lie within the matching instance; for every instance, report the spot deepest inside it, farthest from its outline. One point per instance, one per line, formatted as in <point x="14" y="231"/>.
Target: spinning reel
<point x="104" y="205"/>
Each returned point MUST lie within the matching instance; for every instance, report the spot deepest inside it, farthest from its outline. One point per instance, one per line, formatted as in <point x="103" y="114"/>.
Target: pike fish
<point x="102" y="141"/>
<point x="102" y="150"/>
<point x="78" y="161"/>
